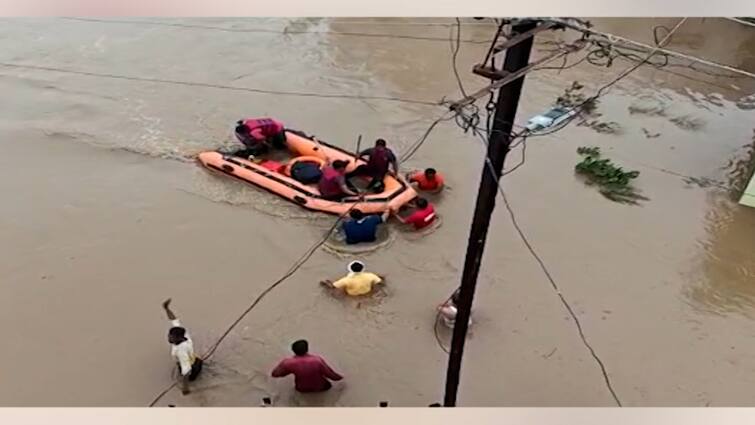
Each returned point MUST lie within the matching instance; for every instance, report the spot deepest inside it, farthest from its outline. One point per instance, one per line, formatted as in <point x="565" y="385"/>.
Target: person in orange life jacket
<point x="362" y="228"/>
<point x="182" y="350"/>
<point x="380" y="160"/>
<point x="428" y="181"/>
<point x="332" y="184"/>
<point x="258" y="135"/>
<point x="422" y="217"/>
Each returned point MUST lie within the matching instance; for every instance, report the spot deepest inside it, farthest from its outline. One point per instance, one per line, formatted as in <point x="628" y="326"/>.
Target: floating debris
<point x="687" y="122"/>
<point x="613" y="182"/>
<point x="588" y="109"/>
<point x="746" y="103"/>
<point x="648" y="106"/>
<point x="650" y="135"/>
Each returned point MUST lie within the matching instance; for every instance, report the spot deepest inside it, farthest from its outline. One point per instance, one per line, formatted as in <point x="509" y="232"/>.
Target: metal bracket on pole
<point x="505" y="77"/>
<point x="523" y="36"/>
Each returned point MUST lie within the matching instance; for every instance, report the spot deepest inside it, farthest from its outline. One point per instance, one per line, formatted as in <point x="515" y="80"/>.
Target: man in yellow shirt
<point x="356" y="282"/>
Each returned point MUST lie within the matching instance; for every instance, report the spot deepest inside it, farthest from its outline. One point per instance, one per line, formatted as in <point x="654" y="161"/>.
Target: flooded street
<point x="106" y="214"/>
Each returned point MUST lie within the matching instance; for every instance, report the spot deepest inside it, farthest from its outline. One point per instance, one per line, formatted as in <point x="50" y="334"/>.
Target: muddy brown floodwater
<point x="105" y="214"/>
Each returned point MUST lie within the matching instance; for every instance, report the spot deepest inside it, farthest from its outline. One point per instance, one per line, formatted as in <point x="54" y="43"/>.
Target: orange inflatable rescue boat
<point x="274" y="175"/>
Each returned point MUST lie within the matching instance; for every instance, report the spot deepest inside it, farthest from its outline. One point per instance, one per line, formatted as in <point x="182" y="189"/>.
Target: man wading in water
<point x="311" y="373"/>
<point x="182" y="350"/>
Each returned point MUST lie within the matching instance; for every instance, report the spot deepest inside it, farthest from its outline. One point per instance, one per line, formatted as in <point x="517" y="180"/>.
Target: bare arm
<point x="348" y="191"/>
<point x="400" y="219"/>
<point x="168" y="312"/>
<point x="345" y="189"/>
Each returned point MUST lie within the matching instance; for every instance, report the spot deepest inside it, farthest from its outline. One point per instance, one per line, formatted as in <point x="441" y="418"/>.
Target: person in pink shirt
<point x="311" y="373"/>
<point x="259" y="134"/>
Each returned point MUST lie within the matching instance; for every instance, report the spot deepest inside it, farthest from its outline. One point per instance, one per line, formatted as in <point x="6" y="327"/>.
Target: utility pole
<point x="499" y="140"/>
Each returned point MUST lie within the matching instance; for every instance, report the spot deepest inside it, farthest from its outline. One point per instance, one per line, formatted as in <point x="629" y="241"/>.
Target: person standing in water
<point x="182" y="350"/>
<point x="360" y="228"/>
<point x="449" y="310"/>
<point x="357" y="282"/>
<point x="311" y="373"/>
<point x="422" y="217"/>
<point x="427" y="181"/>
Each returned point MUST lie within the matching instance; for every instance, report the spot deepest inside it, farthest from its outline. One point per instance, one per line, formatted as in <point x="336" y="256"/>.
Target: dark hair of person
<point x="356" y="267"/>
<point x="300" y="347"/>
<point x="356" y="214"/>
<point x="422" y="203"/>
<point x="380" y="142"/>
<point x="241" y="128"/>
<point x="455" y="297"/>
<point x="430" y="172"/>
<point x="176" y="333"/>
<point x="339" y="164"/>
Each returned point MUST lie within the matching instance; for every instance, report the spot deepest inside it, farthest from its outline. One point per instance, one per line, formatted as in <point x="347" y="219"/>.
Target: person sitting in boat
<point x="332" y="184"/>
<point x="427" y="181"/>
<point x="357" y="282"/>
<point x="259" y="134"/>
<point x="422" y="217"/>
<point x="379" y="162"/>
<point x="361" y="228"/>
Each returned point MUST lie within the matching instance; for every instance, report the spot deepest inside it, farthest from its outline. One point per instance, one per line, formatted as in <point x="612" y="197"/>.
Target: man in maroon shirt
<point x="311" y="373"/>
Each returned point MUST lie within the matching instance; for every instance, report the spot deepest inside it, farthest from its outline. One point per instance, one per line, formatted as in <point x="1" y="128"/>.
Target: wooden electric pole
<point x="499" y="140"/>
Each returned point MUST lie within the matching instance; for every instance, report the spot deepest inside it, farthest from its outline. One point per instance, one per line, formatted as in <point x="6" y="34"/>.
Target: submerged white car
<point x="551" y="118"/>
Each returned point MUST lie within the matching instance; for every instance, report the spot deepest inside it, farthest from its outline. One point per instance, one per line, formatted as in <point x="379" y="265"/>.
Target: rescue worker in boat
<point x="449" y="310"/>
<point x="423" y="216"/>
<point x="182" y="350"/>
<point x="332" y="184"/>
<point x="357" y="282"/>
<point x="311" y="373"/>
<point x="380" y="159"/>
<point x="258" y="135"/>
<point x="360" y="228"/>
<point x="427" y="181"/>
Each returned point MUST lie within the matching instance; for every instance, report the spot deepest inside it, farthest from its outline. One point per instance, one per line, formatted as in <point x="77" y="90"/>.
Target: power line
<point x="270" y="31"/>
<point x="741" y="21"/>
<point x="218" y="86"/>
<point x="548" y="274"/>
<point x="525" y="240"/>
<point x="604" y="49"/>
<point x="455" y="53"/>
<point x="416" y="23"/>
<point x="605" y="87"/>
<point x="418" y="144"/>
<point x="489" y="166"/>
<point x="614" y="39"/>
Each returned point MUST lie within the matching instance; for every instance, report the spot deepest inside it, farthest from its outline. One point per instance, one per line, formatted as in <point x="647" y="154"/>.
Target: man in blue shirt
<point x="362" y="228"/>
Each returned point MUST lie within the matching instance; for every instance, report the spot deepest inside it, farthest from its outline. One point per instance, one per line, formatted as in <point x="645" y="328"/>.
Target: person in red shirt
<point x="259" y="134"/>
<point x="422" y="217"/>
<point x="311" y="373"/>
<point x="427" y="181"/>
